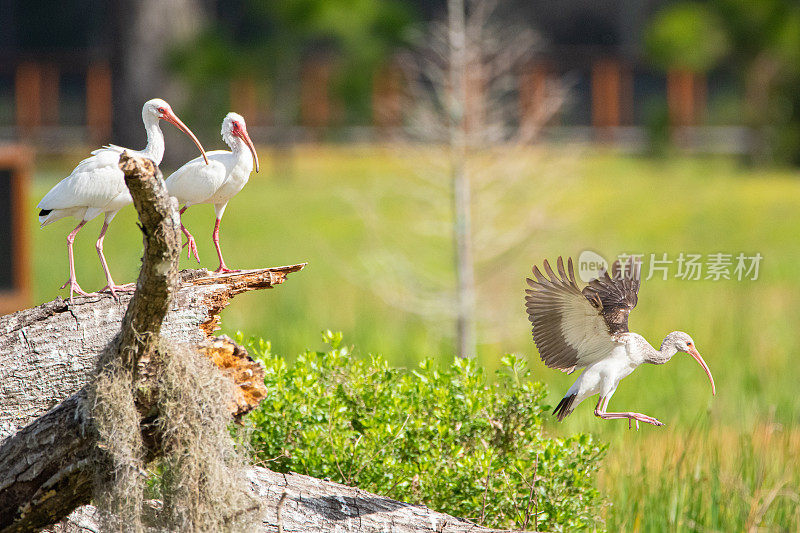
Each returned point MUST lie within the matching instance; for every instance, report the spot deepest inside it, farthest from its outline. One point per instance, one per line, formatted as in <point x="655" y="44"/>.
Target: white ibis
<point x="589" y="328"/>
<point x="216" y="183"/>
<point x="97" y="185"/>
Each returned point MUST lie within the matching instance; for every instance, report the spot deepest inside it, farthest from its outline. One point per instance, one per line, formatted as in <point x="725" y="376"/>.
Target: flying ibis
<point x="216" y="183"/>
<point x="588" y="328"/>
<point x="97" y="186"/>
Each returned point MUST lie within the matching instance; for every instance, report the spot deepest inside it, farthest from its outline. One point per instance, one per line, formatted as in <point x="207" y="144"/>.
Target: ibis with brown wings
<point x="588" y="328"/>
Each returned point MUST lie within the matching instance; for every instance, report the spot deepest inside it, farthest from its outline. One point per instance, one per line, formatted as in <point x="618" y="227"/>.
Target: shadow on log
<point x="294" y="502"/>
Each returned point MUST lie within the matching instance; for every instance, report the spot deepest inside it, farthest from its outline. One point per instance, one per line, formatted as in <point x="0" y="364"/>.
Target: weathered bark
<point x="45" y="468"/>
<point x="158" y="277"/>
<point x="48" y="353"/>
<point x="293" y="502"/>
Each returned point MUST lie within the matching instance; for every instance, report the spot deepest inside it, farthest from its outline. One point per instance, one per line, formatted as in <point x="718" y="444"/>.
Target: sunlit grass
<point x="705" y="478"/>
<point x="721" y="464"/>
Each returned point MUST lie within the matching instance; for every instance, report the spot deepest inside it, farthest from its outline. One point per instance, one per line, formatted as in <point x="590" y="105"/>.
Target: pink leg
<point x="110" y="282"/>
<point x="189" y="241"/>
<point x="600" y="411"/>
<point x="222" y="266"/>
<point x="72" y="282"/>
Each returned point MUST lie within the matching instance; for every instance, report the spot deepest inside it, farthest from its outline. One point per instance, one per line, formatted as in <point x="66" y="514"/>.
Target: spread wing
<point x="618" y="293"/>
<point x="569" y="327"/>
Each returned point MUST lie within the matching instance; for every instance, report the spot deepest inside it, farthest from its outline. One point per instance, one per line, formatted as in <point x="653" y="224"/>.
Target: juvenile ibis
<point x="97" y="185"/>
<point x="216" y="183"/>
<point x="588" y="328"/>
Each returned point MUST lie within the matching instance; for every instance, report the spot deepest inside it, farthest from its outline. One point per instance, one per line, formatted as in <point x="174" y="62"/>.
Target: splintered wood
<point x="239" y="367"/>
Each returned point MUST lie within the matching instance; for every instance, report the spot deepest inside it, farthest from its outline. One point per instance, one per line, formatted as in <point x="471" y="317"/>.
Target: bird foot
<point x="637" y="417"/>
<point x="632" y="417"/>
<point x="113" y="289"/>
<point x="224" y="270"/>
<point x="73" y="287"/>
<point x="192" y="249"/>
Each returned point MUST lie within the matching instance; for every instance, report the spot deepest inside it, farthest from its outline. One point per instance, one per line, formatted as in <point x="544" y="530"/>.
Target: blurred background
<point x="723" y="71"/>
<point x="421" y="180"/>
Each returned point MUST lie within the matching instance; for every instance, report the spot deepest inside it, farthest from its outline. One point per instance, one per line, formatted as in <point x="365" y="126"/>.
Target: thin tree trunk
<point x="284" y="95"/>
<point x="462" y="230"/>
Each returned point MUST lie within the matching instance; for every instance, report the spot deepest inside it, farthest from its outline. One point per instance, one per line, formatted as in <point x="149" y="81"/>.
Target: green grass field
<point x="728" y="463"/>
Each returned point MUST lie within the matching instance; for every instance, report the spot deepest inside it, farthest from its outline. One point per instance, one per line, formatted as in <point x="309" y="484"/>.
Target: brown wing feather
<point x="568" y="328"/>
<point x="618" y="293"/>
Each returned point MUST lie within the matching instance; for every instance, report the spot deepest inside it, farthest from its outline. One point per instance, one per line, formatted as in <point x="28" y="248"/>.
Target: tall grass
<point x="705" y="478"/>
<point x="727" y="463"/>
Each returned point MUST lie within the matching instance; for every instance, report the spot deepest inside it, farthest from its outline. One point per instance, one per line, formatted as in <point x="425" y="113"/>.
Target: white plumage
<point x="219" y="181"/>
<point x="603" y="376"/>
<point x="97" y="186"/>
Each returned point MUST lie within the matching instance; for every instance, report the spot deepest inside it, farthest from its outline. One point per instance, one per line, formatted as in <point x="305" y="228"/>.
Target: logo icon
<point x="590" y="265"/>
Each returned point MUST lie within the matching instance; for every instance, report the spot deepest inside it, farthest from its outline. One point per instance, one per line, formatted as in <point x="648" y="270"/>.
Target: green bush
<point x="443" y="437"/>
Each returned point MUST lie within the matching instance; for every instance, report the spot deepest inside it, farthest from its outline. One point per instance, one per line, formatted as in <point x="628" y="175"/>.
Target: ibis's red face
<point x="240" y="130"/>
<point x="166" y="113"/>
<point x="691" y="350"/>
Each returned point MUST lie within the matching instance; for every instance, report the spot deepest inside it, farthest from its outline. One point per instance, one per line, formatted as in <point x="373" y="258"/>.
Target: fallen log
<point x="293" y="502"/>
<point x="48" y="353"/>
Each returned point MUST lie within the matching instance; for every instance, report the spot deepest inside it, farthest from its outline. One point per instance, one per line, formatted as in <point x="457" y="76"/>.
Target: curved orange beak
<point x="170" y="117"/>
<point x="242" y="134"/>
<point x="694" y="353"/>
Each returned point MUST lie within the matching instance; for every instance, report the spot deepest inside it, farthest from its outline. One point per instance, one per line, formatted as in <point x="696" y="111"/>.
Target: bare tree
<point x="462" y="224"/>
<point x="473" y="156"/>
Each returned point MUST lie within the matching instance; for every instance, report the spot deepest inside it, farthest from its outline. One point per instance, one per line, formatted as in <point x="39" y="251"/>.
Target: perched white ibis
<point x="216" y="183"/>
<point x="588" y="329"/>
<point x="97" y="185"/>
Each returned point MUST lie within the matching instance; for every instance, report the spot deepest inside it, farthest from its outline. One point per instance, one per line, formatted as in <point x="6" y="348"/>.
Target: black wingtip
<point x="45" y="212"/>
<point x="564" y="407"/>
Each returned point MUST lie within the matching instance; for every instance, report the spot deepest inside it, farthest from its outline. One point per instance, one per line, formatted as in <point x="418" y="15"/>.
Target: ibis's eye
<point x="162" y="110"/>
<point x="688" y="344"/>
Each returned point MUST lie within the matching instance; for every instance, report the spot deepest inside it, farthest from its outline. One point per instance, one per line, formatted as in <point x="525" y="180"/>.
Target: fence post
<point x="98" y="102"/>
<point x="28" y="98"/>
